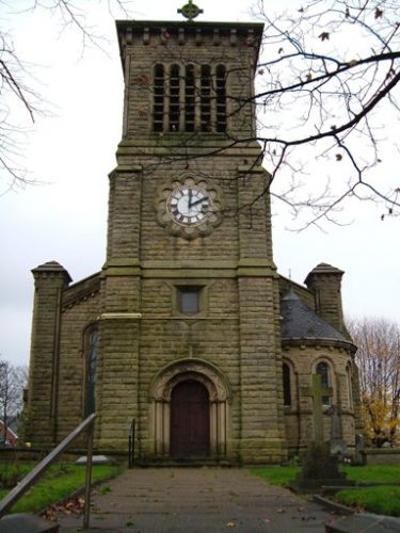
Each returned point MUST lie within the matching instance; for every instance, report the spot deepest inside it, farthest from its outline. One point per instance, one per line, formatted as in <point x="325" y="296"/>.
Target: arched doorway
<point x="213" y="391"/>
<point x="190" y="420"/>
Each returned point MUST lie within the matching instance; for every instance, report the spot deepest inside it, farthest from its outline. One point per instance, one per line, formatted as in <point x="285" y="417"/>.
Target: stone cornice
<point x="180" y="146"/>
<point x="144" y="32"/>
<point x="316" y="342"/>
<point x="120" y="316"/>
<point x="81" y="291"/>
<point x="192" y="264"/>
<point x="191" y="269"/>
<point x="51" y="269"/>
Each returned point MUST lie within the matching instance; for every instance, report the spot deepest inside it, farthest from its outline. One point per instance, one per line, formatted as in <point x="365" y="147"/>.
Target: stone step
<point x="184" y="462"/>
<point x="26" y="523"/>
<point x="359" y="522"/>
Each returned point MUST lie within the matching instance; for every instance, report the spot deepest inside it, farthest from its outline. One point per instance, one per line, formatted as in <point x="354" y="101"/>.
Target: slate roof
<point x="301" y="322"/>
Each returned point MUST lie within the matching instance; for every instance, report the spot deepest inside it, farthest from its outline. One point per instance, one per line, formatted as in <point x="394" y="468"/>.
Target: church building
<point x="188" y="329"/>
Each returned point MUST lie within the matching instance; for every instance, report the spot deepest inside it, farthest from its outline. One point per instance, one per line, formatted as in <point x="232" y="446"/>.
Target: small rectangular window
<point x="189" y="299"/>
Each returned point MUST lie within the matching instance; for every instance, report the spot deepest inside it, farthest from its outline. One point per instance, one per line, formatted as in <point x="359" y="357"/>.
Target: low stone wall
<point x="382" y="456"/>
<point x="14" y="455"/>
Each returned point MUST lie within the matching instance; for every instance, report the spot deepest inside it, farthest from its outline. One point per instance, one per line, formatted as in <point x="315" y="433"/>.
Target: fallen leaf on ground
<point x="68" y="507"/>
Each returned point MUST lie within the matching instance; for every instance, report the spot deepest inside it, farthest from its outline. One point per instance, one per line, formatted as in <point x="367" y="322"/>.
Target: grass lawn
<point x="378" y="473"/>
<point x="283" y="475"/>
<point x="59" y="482"/>
<point x="381" y="499"/>
<point x="12" y="472"/>
<point x="276" y="475"/>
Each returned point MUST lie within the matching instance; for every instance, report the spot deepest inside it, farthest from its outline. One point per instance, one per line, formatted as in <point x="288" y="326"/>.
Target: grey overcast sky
<point x="71" y="151"/>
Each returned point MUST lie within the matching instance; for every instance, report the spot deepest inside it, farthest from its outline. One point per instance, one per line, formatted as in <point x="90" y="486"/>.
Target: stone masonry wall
<point x="298" y="417"/>
<point x="73" y="352"/>
<point x="167" y="337"/>
<point x="262" y="438"/>
<point x="239" y="248"/>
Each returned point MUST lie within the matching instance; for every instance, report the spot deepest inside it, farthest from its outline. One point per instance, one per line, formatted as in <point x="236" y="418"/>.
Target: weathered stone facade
<point x="120" y="340"/>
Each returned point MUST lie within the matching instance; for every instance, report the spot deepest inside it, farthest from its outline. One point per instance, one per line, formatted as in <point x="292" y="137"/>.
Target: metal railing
<point x="19" y="490"/>
<point x="131" y="445"/>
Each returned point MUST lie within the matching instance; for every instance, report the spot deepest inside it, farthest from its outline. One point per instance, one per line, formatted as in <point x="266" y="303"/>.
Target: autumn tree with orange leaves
<point x="378" y="360"/>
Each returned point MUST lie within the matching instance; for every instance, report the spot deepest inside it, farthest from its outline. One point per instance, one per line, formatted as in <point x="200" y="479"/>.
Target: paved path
<point x="197" y="500"/>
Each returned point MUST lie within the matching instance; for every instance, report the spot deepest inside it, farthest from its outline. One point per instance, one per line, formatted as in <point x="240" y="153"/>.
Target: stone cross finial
<point x="190" y="11"/>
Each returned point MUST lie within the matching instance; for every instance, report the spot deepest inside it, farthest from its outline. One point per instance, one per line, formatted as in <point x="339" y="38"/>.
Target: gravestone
<point x="359" y="455"/>
<point x="338" y="447"/>
<point x="96" y="460"/>
<point x="320" y="468"/>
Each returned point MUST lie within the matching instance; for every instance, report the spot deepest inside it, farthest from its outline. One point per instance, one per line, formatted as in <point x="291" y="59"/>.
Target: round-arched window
<point x="349" y="375"/>
<point x="323" y="370"/>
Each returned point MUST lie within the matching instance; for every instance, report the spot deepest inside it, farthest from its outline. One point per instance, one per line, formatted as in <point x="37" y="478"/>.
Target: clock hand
<point x="190" y="198"/>
<point x="199" y="201"/>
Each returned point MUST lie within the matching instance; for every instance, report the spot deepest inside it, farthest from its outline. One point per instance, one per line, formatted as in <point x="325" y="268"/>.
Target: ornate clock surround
<point x="206" y="212"/>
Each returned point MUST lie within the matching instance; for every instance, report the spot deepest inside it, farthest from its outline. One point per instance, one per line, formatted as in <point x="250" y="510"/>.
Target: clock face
<point x="189" y="205"/>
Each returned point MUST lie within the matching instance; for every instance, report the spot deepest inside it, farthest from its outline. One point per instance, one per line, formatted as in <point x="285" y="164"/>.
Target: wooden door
<point x="190" y="420"/>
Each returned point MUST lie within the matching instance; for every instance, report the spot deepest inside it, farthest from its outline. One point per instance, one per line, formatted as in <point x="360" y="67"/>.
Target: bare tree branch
<point x="17" y="83"/>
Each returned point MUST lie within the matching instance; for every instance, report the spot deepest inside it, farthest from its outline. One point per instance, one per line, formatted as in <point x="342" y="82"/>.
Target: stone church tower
<point x="188" y="329"/>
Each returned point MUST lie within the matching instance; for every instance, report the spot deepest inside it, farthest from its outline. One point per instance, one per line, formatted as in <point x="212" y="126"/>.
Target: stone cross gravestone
<point x="320" y="468"/>
<point x="317" y="393"/>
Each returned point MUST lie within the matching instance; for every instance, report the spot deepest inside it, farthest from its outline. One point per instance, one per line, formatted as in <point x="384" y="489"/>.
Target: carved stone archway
<point x="219" y="392"/>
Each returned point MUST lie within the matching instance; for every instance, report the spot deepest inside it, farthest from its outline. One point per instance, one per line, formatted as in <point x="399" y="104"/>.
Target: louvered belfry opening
<point x="189" y="98"/>
<point x="205" y="98"/>
<point x="158" y="110"/>
<point x="174" y="103"/>
<point x="221" y="99"/>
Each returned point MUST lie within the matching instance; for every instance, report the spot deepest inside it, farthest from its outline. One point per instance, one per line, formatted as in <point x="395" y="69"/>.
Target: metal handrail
<point x="19" y="490"/>
<point x="131" y="444"/>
